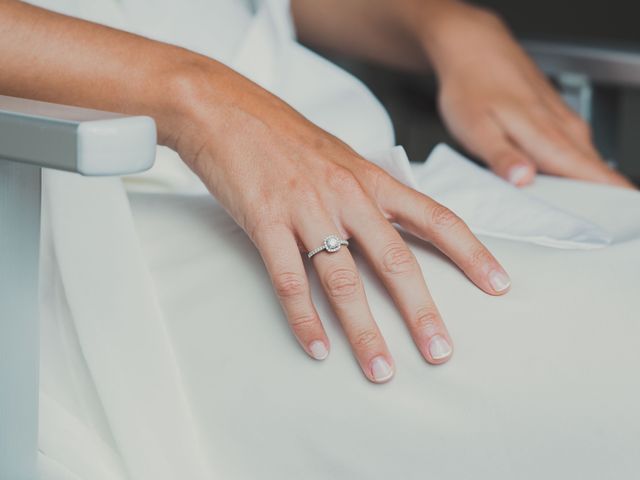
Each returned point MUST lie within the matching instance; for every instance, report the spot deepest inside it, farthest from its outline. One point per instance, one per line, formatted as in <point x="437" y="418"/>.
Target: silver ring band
<point x="331" y="244"/>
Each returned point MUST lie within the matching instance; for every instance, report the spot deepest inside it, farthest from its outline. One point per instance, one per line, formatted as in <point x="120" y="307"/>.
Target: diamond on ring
<point x="331" y="244"/>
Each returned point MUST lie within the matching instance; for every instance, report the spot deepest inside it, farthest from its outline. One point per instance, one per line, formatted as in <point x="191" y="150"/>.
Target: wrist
<point x="449" y="31"/>
<point x="203" y="100"/>
<point x="171" y="89"/>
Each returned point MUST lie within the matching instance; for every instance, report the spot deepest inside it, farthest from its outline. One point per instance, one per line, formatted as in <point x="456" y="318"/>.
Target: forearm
<point x="52" y="57"/>
<point x="406" y="34"/>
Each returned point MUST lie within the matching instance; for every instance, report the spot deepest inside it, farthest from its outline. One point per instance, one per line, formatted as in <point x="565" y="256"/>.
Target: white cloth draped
<point x="103" y="286"/>
<point x="488" y="204"/>
<point x="543" y="382"/>
<point x="157" y="366"/>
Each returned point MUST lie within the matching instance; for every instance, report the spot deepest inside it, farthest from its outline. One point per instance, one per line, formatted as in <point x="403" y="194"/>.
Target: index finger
<point x="431" y="221"/>
<point x="554" y="151"/>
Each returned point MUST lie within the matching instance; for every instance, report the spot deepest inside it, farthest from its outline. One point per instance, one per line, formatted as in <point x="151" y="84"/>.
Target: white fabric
<point x="543" y="383"/>
<point x="491" y="206"/>
<point x="105" y="289"/>
<point x="488" y="204"/>
<point x="157" y="365"/>
<point x="215" y="28"/>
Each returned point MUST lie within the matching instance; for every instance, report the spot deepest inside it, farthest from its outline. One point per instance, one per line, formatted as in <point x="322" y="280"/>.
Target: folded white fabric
<point x="97" y="296"/>
<point x="490" y="205"/>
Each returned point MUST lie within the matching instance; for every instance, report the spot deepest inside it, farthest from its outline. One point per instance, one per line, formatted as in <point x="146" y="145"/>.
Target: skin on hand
<point x="289" y="184"/>
<point x="502" y="108"/>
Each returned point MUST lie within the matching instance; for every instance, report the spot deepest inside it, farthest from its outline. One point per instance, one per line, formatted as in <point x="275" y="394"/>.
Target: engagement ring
<point x="331" y="244"/>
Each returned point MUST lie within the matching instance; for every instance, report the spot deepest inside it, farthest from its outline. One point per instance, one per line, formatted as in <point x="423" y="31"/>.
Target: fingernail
<point x="439" y="348"/>
<point x="380" y="369"/>
<point x="518" y="173"/>
<point x="499" y="281"/>
<point x="318" y="350"/>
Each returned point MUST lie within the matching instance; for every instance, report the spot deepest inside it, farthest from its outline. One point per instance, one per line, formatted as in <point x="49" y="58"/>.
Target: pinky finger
<point x="281" y="256"/>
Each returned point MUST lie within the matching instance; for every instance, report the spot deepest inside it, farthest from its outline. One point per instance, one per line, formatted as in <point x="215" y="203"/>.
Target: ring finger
<point x="343" y="287"/>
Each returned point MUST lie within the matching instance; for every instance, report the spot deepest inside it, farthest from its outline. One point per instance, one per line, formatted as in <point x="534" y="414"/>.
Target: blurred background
<point x="411" y="99"/>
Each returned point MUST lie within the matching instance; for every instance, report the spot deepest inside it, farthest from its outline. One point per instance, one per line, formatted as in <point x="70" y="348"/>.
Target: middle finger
<point x="399" y="270"/>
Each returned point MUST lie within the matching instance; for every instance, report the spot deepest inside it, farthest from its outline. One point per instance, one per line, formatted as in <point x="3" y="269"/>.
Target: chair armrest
<point x="33" y="135"/>
<point x="90" y="142"/>
<point x="606" y="64"/>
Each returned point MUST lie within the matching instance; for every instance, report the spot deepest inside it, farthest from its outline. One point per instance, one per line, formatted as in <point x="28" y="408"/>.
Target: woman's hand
<point x="289" y="185"/>
<point x="497" y="103"/>
<point x="286" y="182"/>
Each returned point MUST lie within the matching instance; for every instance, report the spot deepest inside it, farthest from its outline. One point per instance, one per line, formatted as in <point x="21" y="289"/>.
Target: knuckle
<point x="306" y="193"/>
<point x="397" y="258"/>
<point x="343" y="181"/>
<point x="289" y="284"/>
<point x="539" y="112"/>
<point x="441" y="216"/>
<point x="479" y="257"/>
<point x="261" y="227"/>
<point x="304" y="322"/>
<point x="580" y="127"/>
<point x="372" y="179"/>
<point x="366" y="338"/>
<point x="380" y="183"/>
<point x="323" y="143"/>
<point x="307" y="190"/>
<point x="342" y="283"/>
<point x="372" y="172"/>
<point x="553" y="136"/>
<point x="427" y="319"/>
<point x="481" y="119"/>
